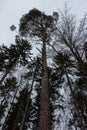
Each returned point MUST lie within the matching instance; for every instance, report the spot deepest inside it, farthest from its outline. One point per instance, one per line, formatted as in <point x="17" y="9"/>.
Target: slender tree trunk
<point x="11" y="67"/>
<point x="25" y="113"/>
<point x="18" y="114"/>
<point x="69" y="83"/>
<point x="80" y="120"/>
<point x="44" y="121"/>
<point x="28" y="100"/>
<point x="8" y="70"/>
<point x="3" y="126"/>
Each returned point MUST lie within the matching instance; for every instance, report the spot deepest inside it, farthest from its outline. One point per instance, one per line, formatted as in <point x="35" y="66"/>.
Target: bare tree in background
<point x="72" y="36"/>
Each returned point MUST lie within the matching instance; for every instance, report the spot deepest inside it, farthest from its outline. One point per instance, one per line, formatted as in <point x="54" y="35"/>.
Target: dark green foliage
<point x="63" y="61"/>
<point x="85" y="49"/>
<point x="81" y="99"/>
<point x="14" y="55"/>
<point x="3" y="57"/>
<point x="16" y="111"/>
<point x="34" y="23"/>
<point x="63" y="65"/>
<point x="9" y="86"/>
<point x="33" y="121"/>
<point x="16" y="52"/>
<point x="19" y="51"/>
<point x="23" y="49"/>
<point x="2" y="110"/>
<point x="55" y="82"/>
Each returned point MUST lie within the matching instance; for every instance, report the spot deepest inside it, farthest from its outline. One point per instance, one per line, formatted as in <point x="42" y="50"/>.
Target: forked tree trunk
<point x="44" y="121"/>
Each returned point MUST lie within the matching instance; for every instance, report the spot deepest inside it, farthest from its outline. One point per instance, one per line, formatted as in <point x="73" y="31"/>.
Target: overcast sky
<point x="12" y="10"/>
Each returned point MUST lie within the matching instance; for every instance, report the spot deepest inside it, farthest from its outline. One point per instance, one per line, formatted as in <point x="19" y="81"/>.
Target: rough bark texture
<point x="44" y="122"/>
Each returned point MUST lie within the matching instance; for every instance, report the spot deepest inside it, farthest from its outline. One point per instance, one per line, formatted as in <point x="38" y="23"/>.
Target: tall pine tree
<point x="37" y="24"/>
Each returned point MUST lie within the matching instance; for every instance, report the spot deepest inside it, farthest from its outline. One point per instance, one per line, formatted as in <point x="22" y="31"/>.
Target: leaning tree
<point x="38" y="26"/>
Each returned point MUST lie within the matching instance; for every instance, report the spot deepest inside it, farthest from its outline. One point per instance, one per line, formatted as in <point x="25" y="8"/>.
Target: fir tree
<point x="14" y="54"/>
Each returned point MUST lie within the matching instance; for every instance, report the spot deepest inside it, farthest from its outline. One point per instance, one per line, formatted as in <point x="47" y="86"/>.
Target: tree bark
<point x="44" y="121"/>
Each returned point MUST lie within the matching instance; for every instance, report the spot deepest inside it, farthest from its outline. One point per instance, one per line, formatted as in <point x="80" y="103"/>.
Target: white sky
<point x="12" y="10"/>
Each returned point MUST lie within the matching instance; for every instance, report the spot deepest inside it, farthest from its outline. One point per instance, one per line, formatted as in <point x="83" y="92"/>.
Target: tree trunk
<point x="25" y="113"/>
<point x="80" y="121"/>
<point x="28" y="100"/>
<point x="15" y="125"/>
<point x="3" y="126"/>
<point x="44" y="121"/>
<point x="9" y="69"/>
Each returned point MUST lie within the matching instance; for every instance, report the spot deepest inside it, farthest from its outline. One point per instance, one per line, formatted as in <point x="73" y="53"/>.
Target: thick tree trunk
<point x="44" y="121"/>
